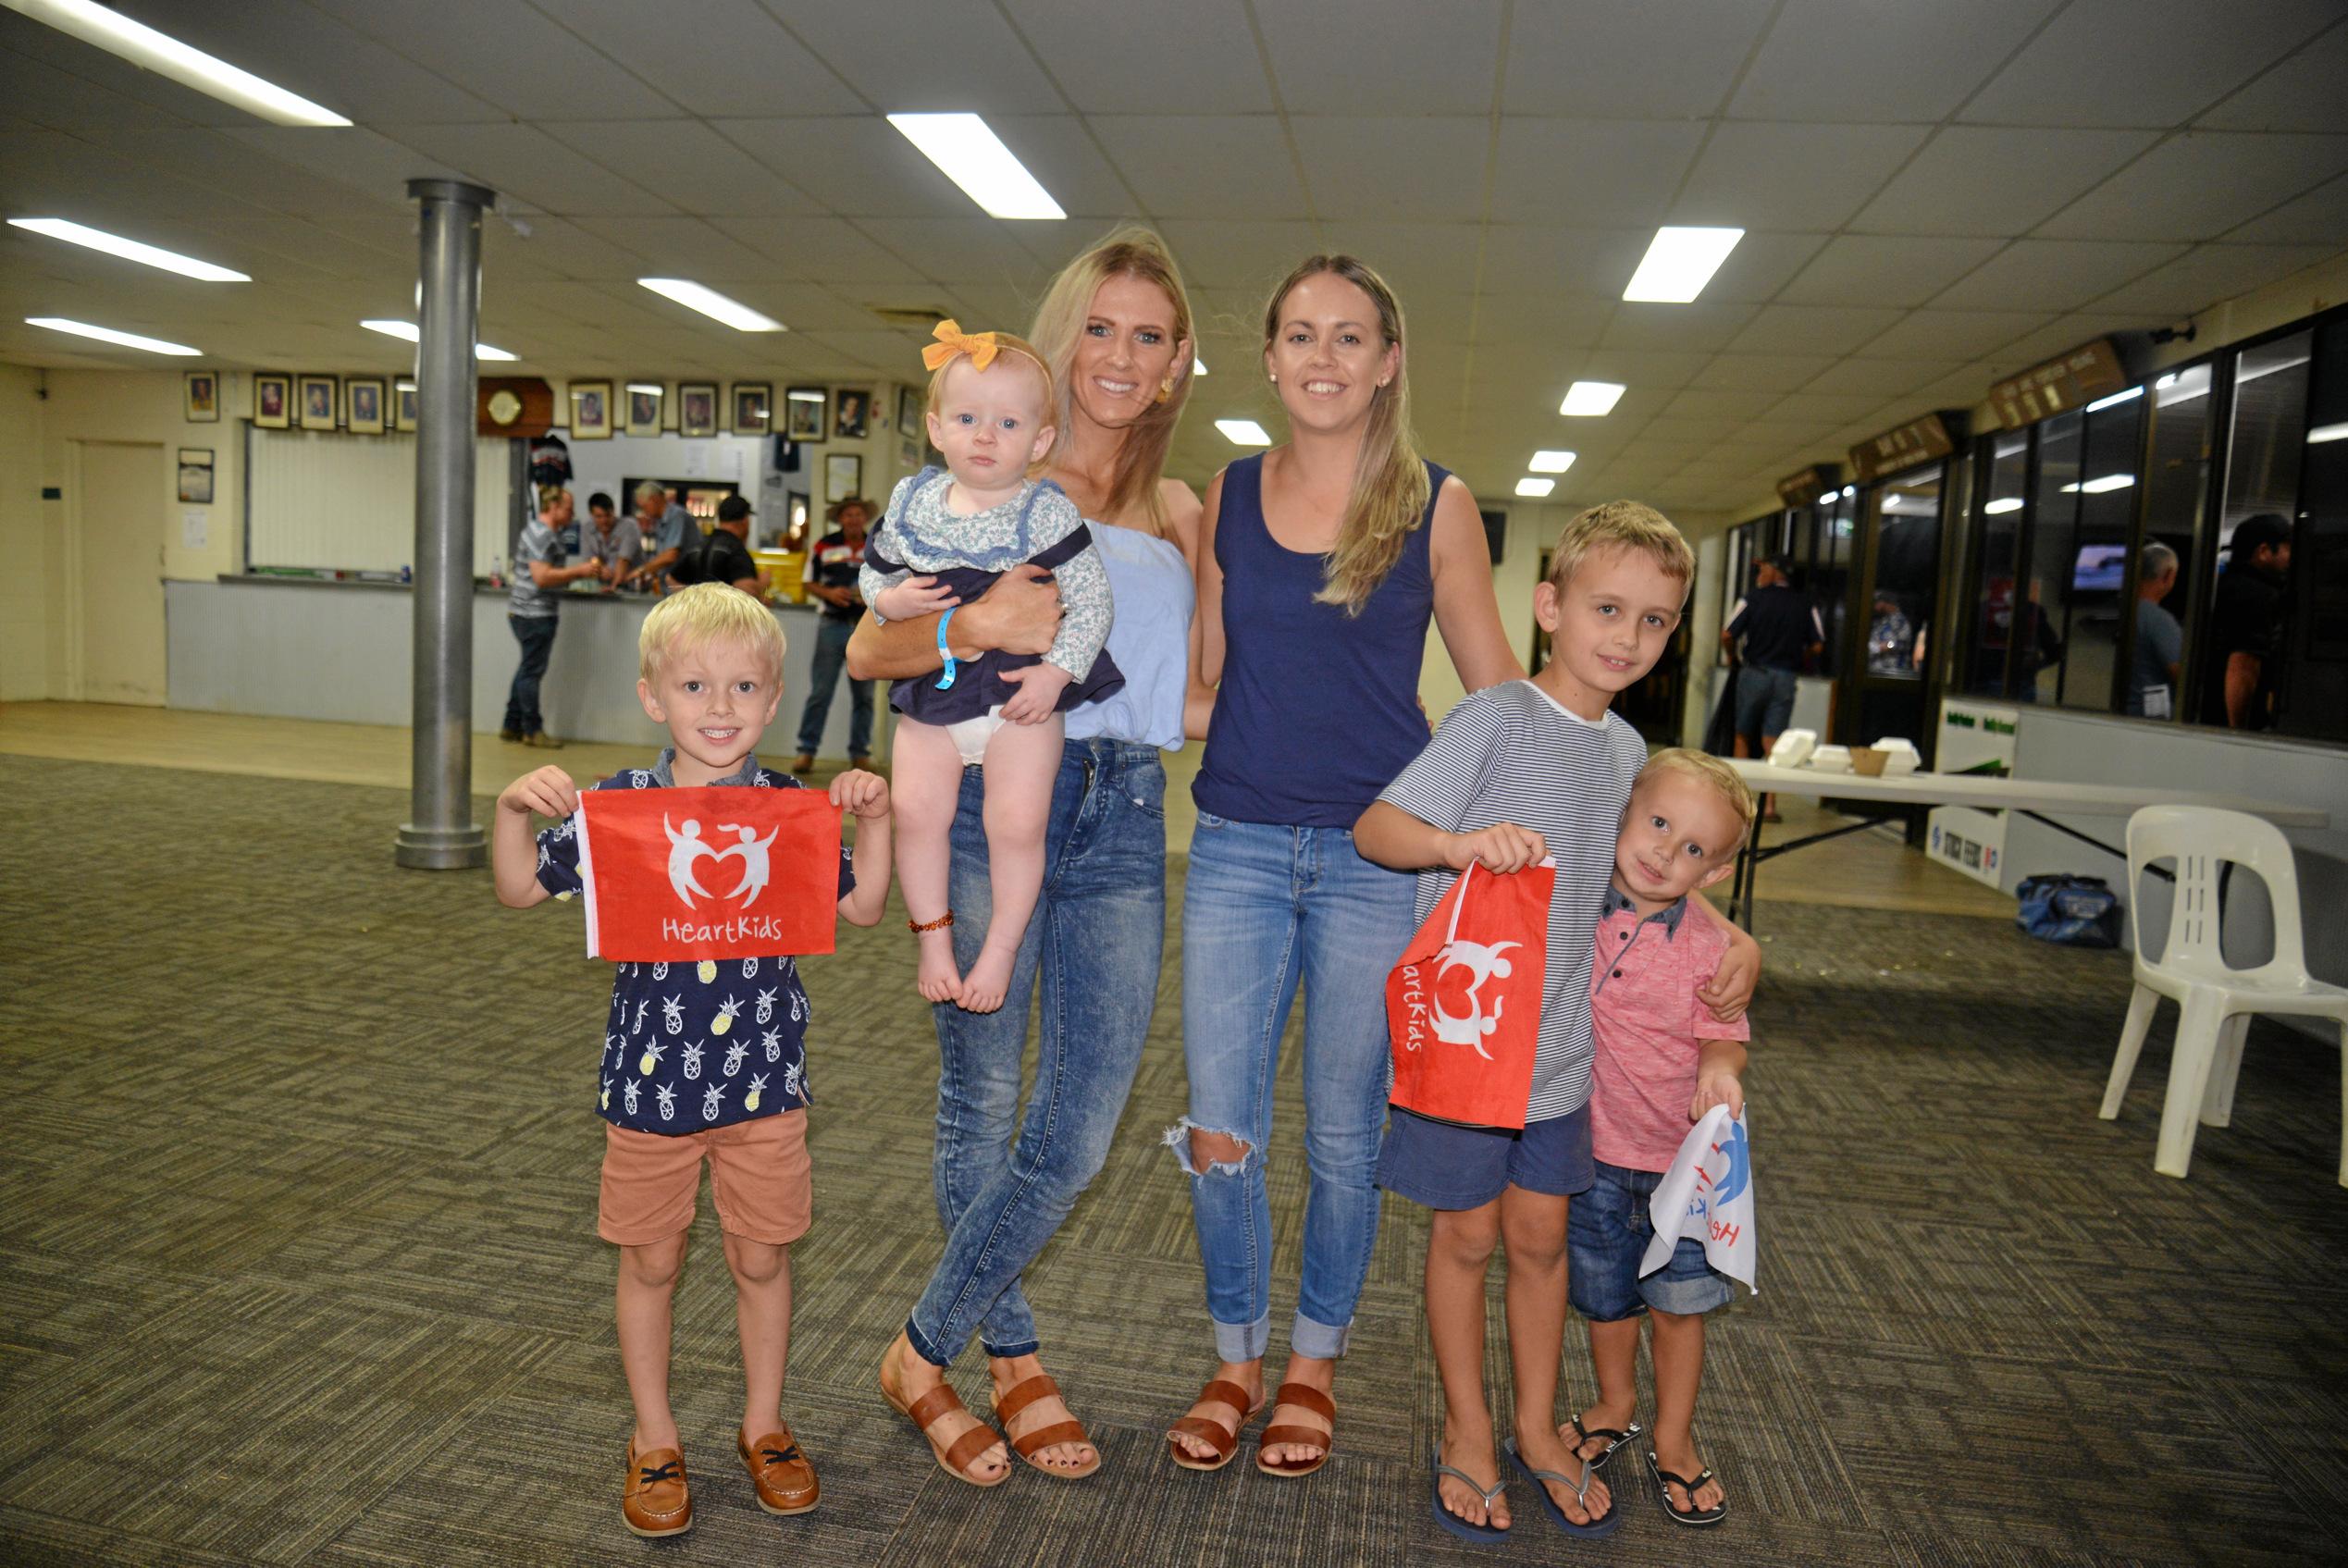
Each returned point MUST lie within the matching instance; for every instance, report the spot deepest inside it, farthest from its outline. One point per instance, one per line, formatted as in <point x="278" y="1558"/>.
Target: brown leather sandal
<point x="1041" y="1386"/>
<point x="1305" y="1397"/>
<point x="925" y="1411"/>
<point x="1223" y="1439"/>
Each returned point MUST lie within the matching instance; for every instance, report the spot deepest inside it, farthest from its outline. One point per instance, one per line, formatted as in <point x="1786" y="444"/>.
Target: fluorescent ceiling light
<point x="1679" y="263"/>
<point x="2116" y="398"/>
<point x="2098" y="486"/>
<point x="1588" y="400"/>
<point x="1548" y="461"/>
<point x="1243" y="432"/>
<point x="653" y="387"/>
<point x="407" y="332"/>
<point x="1535" y="488"/>
<point x="2323" y="433"/>
<point x="165" y="56"/>
<point x="108" y="335"/>
<point x="2167" y="381"/>
<point x="710" y="302"/>
<point x="1829" y="496"/>
<point x="2003" y="505"/>
<point x="128" y="250"/>
<point x="969" y="153"/>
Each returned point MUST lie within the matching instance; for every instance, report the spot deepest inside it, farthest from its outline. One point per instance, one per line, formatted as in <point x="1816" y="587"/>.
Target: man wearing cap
<point x="724" y="555"/>
<point x="2238" y="683"/>
<point x="1781" y="630"/>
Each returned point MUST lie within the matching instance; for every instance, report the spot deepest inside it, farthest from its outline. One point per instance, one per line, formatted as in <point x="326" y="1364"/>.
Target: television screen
<point x="2100" y="569"/>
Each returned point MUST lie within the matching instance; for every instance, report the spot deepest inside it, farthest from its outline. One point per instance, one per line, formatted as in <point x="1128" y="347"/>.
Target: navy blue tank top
<point x="1318" y="709"/>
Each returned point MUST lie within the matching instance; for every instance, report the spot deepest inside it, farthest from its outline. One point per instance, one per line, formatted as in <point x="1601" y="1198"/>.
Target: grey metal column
<point x="441" y="833"/>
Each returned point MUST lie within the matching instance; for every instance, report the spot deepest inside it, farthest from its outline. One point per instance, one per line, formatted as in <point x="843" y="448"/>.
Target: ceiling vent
<point x="921" y="318"/>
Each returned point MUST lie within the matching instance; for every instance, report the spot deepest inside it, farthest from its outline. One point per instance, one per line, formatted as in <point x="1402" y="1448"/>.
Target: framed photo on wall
<point x="273" y="402"/>
<point x="753" y="407"/>
<point x="363" y="405"/>
<point x="851" y="414"/>
<point x="590" y="410"/>
<point x="909" y="412"/>
<point x="404" y="403"/>
<point x="843" y="477"/>
<point x="317" y="402"/>
<point x="202" y="396"/>
<point x="696" y="408"/>
<point x="803" y="413"/>
<point x="644" y="407"/>
<point x="195" y="475"/>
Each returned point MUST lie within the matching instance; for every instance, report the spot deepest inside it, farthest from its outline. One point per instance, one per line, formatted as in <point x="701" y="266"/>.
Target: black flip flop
<point x="1484" y="1534"/>
<point x="1613" y="1439"/>
<point x="1691" y="1514"/>
<point x="1604" y="1524"/>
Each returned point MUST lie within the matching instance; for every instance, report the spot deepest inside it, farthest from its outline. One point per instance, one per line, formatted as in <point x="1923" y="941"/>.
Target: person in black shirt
<point x="724" y="555"/>
<point x="831" y="566"/>
<point x="1781" y="633"/>
<point x="2238" y="681"/>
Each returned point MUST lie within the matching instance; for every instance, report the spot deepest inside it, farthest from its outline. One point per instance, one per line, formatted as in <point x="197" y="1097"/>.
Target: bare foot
<point x="1543" y="1449"/>
<point x="1471" y="1450"/>
<point x="1603" y="1415"/>
<point x="937" y="977"/>
<point x="1680" y="1458"/>
<point x="1008" y="1374"/>
<point x="905" y="1376"/>
<point x="1314" y="1373"/>
<point x="990" y="978"/>
<point x="1248" y="1375"/>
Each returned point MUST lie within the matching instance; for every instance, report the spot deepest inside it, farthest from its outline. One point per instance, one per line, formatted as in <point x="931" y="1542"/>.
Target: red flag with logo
<point x="1463" y="1006"/>
<point x="736" y="873"/>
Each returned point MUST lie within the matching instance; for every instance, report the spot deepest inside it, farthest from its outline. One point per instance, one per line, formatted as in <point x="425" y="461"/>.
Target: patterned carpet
<point x="297" y="1260"/>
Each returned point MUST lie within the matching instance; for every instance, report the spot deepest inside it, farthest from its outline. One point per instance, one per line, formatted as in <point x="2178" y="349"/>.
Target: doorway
<point x="119" y="564"/>
<point x="1888" y="688"/>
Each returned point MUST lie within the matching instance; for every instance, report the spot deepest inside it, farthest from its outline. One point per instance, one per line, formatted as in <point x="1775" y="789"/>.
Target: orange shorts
<point x="759" y="1175"/>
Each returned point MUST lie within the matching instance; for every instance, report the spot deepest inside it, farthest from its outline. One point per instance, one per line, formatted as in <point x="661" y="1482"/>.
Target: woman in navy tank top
<point x="1320" y="563"/>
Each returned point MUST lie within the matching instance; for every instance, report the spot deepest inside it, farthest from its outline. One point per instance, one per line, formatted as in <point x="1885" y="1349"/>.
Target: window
<point x="2175" y="489"/>
<point x="1997" y="537"/>
<point x="2240" y="653"/>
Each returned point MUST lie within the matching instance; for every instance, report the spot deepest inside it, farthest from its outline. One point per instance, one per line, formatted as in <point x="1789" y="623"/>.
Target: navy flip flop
<point x="1482" y="1534"/>
<point x="1604" y="1524"/>
<point x="1607" y="1435"/>
<point x="1691" y="1514"/>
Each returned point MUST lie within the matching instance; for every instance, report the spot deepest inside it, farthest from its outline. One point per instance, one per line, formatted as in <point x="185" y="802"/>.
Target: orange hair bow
<point x="951" y="341"/>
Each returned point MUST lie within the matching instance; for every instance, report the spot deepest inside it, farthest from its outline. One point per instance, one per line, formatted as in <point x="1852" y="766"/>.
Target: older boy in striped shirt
<point x="1523" y="771"/>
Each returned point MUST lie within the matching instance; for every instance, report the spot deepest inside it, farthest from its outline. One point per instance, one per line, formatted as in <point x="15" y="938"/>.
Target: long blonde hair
<point x="1391" y="487"/>
<point x="1129" y="251"/>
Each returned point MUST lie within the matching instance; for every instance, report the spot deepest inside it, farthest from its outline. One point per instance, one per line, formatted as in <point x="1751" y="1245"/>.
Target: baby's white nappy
<point x="970" y="735"/>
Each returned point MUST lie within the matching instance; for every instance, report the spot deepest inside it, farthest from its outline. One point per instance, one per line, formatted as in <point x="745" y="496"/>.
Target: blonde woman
<point x="1115" y="329"/>
<point x="1320" y="563"/>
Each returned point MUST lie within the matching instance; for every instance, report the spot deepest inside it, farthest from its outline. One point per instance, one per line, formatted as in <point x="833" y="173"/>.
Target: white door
<point x="121" y="571"/>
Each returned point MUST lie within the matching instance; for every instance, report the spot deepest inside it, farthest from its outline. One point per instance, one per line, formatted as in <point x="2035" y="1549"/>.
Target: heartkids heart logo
<point x="677" y="874"/>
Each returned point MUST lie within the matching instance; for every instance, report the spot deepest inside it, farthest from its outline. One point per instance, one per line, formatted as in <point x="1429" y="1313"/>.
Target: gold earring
<point x="1166" y="388"/>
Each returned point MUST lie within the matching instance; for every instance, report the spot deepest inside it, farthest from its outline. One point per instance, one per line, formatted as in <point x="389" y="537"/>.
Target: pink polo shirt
<point x="1648" y="1026"/>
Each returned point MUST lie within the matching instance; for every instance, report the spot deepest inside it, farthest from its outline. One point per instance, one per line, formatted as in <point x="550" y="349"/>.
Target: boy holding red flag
<point x="675" y="1089"/>
<point x="1515" y="775"/>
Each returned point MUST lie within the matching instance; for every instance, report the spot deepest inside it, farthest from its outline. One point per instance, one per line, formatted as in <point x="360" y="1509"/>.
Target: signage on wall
<point x="1919" y="440"/>
<point x="1798" y="490"/>
<point x="2088" y="372"/>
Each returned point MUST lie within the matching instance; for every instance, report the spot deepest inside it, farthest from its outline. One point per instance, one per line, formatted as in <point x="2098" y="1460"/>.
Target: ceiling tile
<point x="1318" y="57"/>
<point x="2053" y="274"/>
<point x="1593" y="174"/>
<point x="1203" y="166"/>
<point x="2153" y="63"/>
<point x="1195" y="58"/>
<point x="531" y="72"/>
<point x="1815" y="330"/>
<point x="854" y="165"/>
<point x="1757" y="175"/>
<point x="2319" y="217"/>
<point x="713" y="56"/>
<point x="1413" y="258"/>
<point x="924" y="56"/>
<point x="1708" y="324"/>
<point x="977" y="248"/>
<point x="1629" y="59"/>
<point x="1541" y="323"/>
<point x="1391" y="167"/>
<point x="1954" y="334"/>
<point x="1879" y="378"/>
<point x="2301" y="92"/>
<point x="1707" y="403"/>
<point x="1761" y="373"/>
<point x="824" y="250"/>
<point x="688" y="163"/>
<point x="2196" y="186"/>
<point x="524" y="162"/>
<point x="1859" y="60"/>
<point x="2194" y="282"/>
<point x="1988" y="179"/>
<point x="1858" y="269"/>
<point x="1249" y="257"/>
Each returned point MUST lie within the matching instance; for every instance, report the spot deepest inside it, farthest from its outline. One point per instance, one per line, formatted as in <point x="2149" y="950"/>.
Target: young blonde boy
<point x="1662" y="1060"/>
<point x="673" y="1091"/>
<point x="1523" y="770"/>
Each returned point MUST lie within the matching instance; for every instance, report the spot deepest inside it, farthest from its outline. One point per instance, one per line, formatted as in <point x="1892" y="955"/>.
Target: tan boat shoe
<point x="657" y="1500"/>
<point x="784" y="1479"/>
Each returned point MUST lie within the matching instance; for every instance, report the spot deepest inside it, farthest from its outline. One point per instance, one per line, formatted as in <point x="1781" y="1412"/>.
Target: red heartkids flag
<point x="1464" y="1006"/>
<point x="736" y="873"/>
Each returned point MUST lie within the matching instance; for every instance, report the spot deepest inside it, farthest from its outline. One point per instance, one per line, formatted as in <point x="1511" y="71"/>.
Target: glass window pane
<point x="1829" y="582"/>
<point x="2000" y="532"/>
<point x="2176" y="490"/>
<point x="1907" y="573"/>
<point x="2237" y="649"/>
<point x="2083" y="599"/>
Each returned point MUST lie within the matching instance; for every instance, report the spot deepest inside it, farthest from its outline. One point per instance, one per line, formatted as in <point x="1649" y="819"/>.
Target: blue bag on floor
<point x="2072" y="911"/>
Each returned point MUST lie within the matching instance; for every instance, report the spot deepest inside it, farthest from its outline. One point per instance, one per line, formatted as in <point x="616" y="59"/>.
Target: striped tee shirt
<point x="1511" y="754"/>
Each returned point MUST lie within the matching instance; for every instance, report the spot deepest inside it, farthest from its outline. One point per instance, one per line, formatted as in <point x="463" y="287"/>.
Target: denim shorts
<point x="1764" y="700"/>
<point x="1445" y="1166"/>
<point x="1606" y="1239"/>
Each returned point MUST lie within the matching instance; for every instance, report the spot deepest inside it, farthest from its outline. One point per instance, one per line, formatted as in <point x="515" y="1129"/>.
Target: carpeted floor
<point x="286" y="1276"/>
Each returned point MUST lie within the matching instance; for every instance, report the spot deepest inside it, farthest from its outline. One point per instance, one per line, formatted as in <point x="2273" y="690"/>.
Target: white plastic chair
<point x="2216" y="1002"/>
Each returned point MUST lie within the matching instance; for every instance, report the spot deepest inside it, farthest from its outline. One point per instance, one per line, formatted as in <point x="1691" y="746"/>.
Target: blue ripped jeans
<point x="1266" y="907"/>
<point x="1095" y="942"/>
